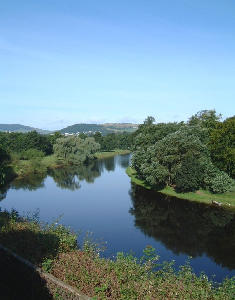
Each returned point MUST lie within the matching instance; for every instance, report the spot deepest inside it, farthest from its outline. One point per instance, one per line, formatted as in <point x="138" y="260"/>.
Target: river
<point x="101" y="199"/>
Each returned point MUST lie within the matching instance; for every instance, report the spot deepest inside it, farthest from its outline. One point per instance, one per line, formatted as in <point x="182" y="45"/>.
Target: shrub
<point x="31" y="154"/>
<point x="189" y="176"/>
<point x="221" y="183"/>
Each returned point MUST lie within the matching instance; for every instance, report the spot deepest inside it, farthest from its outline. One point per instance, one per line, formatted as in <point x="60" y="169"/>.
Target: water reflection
<point x="66" y="178"/>
<point x="123" y="161"/>
<point x="109" y="164"/>
<point x="3" y="192"/>
<point x="70" y="177"/>
<point x="185" y="227"/>
<point x="30" y="183"/>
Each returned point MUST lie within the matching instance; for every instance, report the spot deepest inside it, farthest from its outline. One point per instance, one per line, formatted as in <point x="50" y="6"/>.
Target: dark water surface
<point x="100" y="198"/>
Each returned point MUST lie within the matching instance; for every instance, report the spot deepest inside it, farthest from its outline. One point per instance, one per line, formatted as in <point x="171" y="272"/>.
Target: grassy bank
<point x="203" y="196"/>
<point x="107" y="154"/>
<point x="22" y="168"/>
<point x="54" y="248"/>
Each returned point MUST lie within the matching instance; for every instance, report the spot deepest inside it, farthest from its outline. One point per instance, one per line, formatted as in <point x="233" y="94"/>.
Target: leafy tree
<point x="98" y="138"/>
<point x="18" y="142"/>
<point x="53" y="137"/>
<point x="38" y="141"/>
<point x="83" y="136"/>
<point x="222" y="146"/>
<point x="110" y="142"/>
<point x="146" y="136"/>
<point x="189" y="176"/>
<point x="205" y="118"/>
<point x="181" y="159"/>
<point x="31" y="154"/>
<point x="149" y="120"/>
<point x="4" y="158"/>
<point x="221" y="183"/>
<point x="75" y="150"/>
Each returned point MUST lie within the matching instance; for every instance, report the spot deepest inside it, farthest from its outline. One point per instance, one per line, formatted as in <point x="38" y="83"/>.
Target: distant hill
<point x="86" y="128"/>
<point x="103" y="128"/>
<point x="21" y="128"/>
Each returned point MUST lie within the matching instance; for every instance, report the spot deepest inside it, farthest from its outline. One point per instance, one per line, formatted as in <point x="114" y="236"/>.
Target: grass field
<point x="203" y="196"/>
<point x="107" y="154"/>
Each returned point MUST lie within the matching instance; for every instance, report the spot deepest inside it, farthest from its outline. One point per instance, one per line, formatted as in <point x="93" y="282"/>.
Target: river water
<point x="101" y="199"/>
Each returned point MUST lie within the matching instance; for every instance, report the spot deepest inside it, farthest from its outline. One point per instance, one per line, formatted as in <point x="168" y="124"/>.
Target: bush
<point x="221" y="183"/>
<point x="189" y="176"/>
<point x="31" y="154"/>
<point x="155" y="174"/>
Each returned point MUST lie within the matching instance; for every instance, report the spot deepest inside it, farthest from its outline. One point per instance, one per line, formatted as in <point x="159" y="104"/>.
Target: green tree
<point x="149" y="120"/>
<point x="17" y="142"/>
<point x="190" y="174"/>
<point x="31" y="154"/>
<point x="4" y="159"/>
<point x="222" y="146"/>
<point x="205" y="118"/>
<point x="147" y="135"/>
<point x="181" y="159"/>
<point x="75" y="150"/>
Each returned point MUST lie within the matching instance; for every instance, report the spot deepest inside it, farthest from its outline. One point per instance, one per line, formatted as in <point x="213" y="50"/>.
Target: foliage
<point x="39" y="241"/>
<point x="149" y="120"/>
<point x="206" y="119"/>
<point x="177" y="154"/>
<point x="221" y="183"/>
<point x="31" y="154"/>
<point x="124" y="277"/>
<point x="222" y="146"/>
<point x="170" y="156"/>
<point x="202" y="195"/>
<point x="18" y="142"/>
<point x="75" y="150"/>
<point x="190" y="174"/>
<point x="148" y="133"/>
<point x="4" y="159"/>
<point x="114" y="141"/>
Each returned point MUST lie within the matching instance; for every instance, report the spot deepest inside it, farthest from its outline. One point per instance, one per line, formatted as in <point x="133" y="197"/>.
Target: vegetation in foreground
<point x="226" y="199"/>
<point x="54" y="247"/>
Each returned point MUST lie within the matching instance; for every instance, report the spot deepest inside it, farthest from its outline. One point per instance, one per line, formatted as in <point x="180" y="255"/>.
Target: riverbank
<point x="107" y="154"/>
<point x="54" y="248"/>
<point x="227" y="199"/>
<point x="23" y="168"/>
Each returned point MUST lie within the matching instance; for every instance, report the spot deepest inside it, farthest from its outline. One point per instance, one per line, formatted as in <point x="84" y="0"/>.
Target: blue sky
<point x="65" y="62"/>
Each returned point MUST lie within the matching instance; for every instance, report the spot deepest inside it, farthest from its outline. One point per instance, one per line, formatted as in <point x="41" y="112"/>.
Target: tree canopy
<point x="222" y="146"/>
<point x="177" y="154"/>
<point x="75" y="150"/>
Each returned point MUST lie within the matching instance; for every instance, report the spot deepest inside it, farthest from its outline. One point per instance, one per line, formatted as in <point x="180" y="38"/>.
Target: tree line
<point x="33" y="146"/>
<point x="187" y="156"/>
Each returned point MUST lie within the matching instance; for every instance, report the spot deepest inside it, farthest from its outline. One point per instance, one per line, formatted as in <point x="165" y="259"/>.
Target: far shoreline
<point x="227" y="200"/>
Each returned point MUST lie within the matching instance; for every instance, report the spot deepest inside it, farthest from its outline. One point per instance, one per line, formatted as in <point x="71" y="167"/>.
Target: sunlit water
<point x="101" y="199"/>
